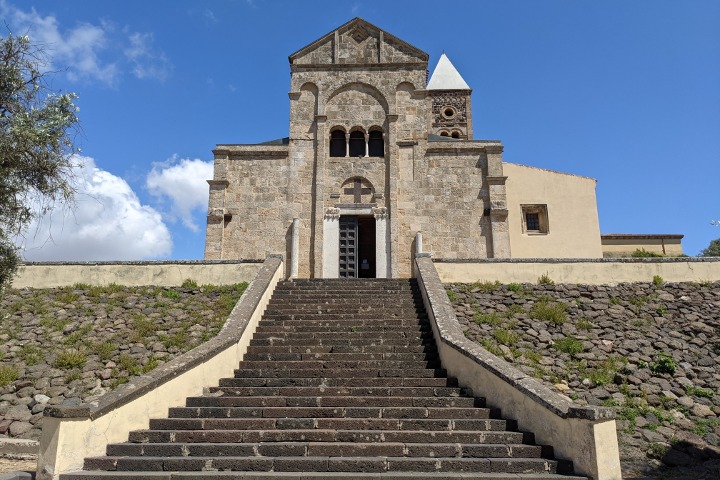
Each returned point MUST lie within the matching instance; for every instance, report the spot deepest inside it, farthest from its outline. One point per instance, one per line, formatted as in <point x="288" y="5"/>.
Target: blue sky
<point x="627" y="92"/>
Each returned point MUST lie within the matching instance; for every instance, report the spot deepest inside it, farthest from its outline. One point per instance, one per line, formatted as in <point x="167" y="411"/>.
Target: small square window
<point x="534" y="219"/>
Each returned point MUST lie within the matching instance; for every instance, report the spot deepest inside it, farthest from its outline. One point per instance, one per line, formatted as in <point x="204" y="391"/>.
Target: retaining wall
<point x="596" y="271"/>
<point x="135" y="274"/>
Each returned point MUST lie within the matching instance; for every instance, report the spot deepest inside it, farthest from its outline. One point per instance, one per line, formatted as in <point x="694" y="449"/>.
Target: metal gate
<point x="348" y="247"/>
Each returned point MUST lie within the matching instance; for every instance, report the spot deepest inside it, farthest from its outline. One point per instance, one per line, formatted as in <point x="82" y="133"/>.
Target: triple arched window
<point x="357" y="143"/>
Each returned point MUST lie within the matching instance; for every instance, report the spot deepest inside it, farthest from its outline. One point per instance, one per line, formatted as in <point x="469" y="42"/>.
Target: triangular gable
<point x="358" y="41"/>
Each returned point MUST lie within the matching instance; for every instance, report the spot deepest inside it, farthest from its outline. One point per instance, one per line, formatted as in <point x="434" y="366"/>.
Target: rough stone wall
<point x="250" y="214"/>
<point x="443" y="194"/>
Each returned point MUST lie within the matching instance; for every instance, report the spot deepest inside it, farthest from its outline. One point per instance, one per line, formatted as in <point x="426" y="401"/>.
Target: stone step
<point x="253" y="475"/>
<point x="337" y="349"/>
<point x="300" y="321"/>
<point x="351" y="365"/>
<point x="330" y="449"/>
<point x="319" y="356"/>
<point x="346" y="340"/>
<point x="442" y="413"/>
<point x="378" y="329"/>
<point x="339" y="382"/>
<point x="302" y="303"/>
<point x="341" y="391"/>
<point x="331" y="401"/>
<point x="327" y="373"/>
<point x="400" y="315"/>
<point x="346" y="336"/>
<point x="474" y="430"/>
<point x="325" y="464"/>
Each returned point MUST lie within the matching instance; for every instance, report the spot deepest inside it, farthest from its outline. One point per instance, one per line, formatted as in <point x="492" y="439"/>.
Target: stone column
<point x="367" y="144"/>
<point x="382" y="246"/>
<point x="295" y="252"/>
<point x="418" y="243"/>
<point x="331" y="243"/>
<point x="347" y="144"/>
<point x="393" y="165"/>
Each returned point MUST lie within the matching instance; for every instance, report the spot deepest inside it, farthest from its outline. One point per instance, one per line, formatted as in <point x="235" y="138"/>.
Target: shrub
<point x="516" y="287"/>
<point x="570" y="345"/>
<point x="657" y="280"/>
<point x="663" y="363"/>
<point x="189" y="283"/>
<point x="584" y="324"/>
<point x="545" y="280"/>
<point x="174" y="294"/>
<point x="546" y="311"/>
<point x="642" y="253"/>
<point x="70" y="358"/>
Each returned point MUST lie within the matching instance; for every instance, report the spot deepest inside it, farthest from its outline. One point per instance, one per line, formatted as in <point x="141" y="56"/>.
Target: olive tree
<point x="37" y="133"/>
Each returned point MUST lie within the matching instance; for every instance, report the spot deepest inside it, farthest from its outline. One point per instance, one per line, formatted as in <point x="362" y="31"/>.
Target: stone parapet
<point x="71" y="434"/>
<point x="585" y="435"/>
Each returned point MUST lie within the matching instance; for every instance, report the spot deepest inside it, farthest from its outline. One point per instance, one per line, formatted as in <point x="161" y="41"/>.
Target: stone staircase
<point x="341" y="380"/>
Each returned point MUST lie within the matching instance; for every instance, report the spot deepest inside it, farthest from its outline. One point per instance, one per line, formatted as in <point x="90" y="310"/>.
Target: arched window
<point x="376" y="144"/>
<point x="357" y="144"/>
<point x="455" y="135"/>
<point x="443" y="134"/>
<point x="337" y="144"/>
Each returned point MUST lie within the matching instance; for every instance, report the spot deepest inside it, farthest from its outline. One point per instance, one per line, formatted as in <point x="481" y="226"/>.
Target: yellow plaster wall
<point x="574" y="229"/>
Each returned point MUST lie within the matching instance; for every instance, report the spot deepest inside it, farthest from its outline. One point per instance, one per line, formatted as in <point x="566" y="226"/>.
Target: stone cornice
<point x="218" y="183"/>
<point x="355" y="66"/>
<point x="496" y="180"/>
<point x="240" y="150"/>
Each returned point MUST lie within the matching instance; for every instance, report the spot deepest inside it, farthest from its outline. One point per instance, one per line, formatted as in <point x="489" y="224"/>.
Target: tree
<point x="37" y="127"/>
<point x="713" y="250"/>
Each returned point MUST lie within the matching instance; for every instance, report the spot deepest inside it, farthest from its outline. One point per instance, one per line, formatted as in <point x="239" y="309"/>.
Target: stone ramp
<point x="341" y="380"/>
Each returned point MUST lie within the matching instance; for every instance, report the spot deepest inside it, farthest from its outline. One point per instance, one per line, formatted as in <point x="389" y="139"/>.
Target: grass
<point x="189" y="283"/>
<point x="516" y="287"/>
<point x="657" y="280"/>
<point x="548" y="311"/>
<point x="174" y="294"/>
<point x="506" y="337"/>
<point x="703" y="427"/>
<point x="8" y="374"/>
<point x="605" y="372"/>
<point x="31" y="354"/>
<point x="491" y="346"/>
<point x="70" y="358"/>
<point x="75" y="337"/>
<point x="570" y="345"/>
<point x="698" y="392"/>
<point x="484" y="286"/>
<point x="584" y="324"/>
<point x="492" y="318"/>
<point x="104" y="349"/>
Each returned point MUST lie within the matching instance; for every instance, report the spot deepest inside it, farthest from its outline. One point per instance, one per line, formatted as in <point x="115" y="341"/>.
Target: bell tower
<point x="451" y="112"/>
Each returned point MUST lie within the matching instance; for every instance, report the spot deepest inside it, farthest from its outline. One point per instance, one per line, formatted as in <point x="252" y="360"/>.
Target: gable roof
<point x="446" y="77"/>
<point x="359" y="24"/>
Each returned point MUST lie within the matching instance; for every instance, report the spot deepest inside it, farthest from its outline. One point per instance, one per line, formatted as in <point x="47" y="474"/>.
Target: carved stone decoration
<point x="359" y="33"/>
<point x="445" y="100"/>
<point x="216" y="214"/>
<point x="380" y="213"/>
<point x="332" y="213"/>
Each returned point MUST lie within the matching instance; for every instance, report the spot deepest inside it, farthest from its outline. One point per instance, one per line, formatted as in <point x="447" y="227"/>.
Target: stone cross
<point x="357" y="191"/>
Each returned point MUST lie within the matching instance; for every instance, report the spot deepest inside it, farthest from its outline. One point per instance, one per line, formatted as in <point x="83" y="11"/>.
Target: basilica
<point x="377" y="152"/>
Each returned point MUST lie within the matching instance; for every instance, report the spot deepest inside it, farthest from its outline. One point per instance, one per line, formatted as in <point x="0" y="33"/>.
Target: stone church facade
<point x="377" y="153"/>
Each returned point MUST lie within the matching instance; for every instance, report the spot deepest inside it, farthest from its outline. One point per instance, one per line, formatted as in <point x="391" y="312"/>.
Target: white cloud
<point x="184" y="183"/>
<point x="146" y="62"/>
<point x="108" y="222"/>
<point x="87" y="51"/>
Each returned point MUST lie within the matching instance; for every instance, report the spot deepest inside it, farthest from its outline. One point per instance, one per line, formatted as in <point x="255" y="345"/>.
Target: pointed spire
<point x="446" y="76"/>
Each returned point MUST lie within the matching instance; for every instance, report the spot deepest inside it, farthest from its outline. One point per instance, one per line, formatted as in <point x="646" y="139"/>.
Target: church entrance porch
<point x="355" y="243"/>
<point x="356" y="255"/>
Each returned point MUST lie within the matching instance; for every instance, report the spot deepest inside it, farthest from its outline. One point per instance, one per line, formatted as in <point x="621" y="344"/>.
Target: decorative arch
<point x="342" y="97"/>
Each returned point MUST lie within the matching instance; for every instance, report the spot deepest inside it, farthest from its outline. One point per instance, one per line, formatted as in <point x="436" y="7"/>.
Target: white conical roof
<point x="446" y="77"/>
